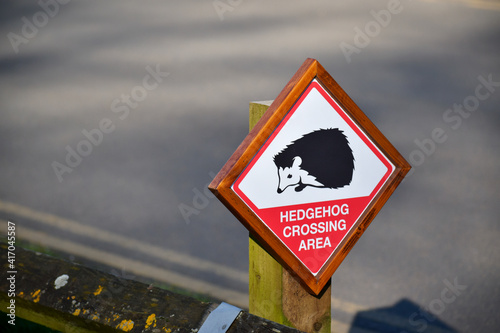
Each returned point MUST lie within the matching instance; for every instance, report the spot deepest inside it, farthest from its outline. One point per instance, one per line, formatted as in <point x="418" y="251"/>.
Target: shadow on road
<point x="403" y="317"/>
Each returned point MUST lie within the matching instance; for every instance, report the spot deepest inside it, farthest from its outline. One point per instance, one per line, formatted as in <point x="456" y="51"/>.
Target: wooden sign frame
<point x="221" y="185"/>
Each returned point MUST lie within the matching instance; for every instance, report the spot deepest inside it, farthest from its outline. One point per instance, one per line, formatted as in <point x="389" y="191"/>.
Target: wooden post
<point x="274" y="293"/>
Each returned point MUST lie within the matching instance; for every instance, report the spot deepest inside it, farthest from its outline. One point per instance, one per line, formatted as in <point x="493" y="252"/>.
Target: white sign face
<point x="314" y="113"/>
<point x="313" y="177"/>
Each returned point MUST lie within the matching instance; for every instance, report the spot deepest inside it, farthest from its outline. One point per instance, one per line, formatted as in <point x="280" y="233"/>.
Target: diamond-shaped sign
<point x="310" y="176"/>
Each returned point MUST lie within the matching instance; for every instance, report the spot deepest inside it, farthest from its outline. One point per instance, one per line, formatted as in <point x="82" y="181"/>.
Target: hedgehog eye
<point x="289" y="176"/>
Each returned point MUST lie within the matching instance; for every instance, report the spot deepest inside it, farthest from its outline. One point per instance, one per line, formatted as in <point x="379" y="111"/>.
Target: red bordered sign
<point x="310" y="176"/>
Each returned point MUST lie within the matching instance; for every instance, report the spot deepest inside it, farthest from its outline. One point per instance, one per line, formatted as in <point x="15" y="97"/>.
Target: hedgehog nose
<point x="279" y="190"/>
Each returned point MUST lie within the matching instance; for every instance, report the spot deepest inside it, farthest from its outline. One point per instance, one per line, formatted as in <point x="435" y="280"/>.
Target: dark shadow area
<point x="403" y="317"/>
<point x="24" y="326"/>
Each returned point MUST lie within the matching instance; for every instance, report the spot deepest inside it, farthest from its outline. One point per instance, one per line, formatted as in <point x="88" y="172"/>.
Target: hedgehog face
<point x="289" y="176"/>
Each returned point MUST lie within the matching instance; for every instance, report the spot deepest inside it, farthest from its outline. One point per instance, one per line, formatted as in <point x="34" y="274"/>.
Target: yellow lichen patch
<point x="77" y="312"/>
<point x="151" y="321"/>
<point x="94" y="317"/>
<point x="125" y="325"/>
<point x="116" y="316"/>
<point x="98" y="291"/>
<point x="36" y="296"/>
<point x="166" y="330"/>
<point x="21" y="294"/>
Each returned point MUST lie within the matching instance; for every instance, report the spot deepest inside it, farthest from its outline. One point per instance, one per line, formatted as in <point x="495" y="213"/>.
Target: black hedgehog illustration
<point x="321" y="158"/>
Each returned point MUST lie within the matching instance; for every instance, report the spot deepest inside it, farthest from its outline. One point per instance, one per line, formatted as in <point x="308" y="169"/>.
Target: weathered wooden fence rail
<point x="72" y="298"/>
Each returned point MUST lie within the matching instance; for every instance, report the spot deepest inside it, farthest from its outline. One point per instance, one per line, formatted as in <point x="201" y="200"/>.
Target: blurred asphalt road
<point x="167" y="86"/>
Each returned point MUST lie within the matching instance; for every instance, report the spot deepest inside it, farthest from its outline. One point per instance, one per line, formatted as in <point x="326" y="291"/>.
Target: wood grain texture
<point x="265" y="283"/>
<point x="306" y="312"/>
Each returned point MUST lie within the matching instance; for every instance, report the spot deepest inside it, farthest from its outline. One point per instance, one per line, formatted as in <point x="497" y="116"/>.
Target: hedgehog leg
<point x="300" y="187"/>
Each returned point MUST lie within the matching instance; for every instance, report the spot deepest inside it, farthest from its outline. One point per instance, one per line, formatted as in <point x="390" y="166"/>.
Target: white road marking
<point x="148" y="271"/>
<point x="137" y="267"/>
<point x="122" y="241"/>
<point x="130" y="265"/>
